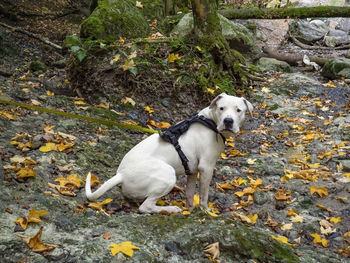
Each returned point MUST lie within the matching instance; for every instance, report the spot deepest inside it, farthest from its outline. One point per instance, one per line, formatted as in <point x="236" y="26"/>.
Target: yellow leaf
<point x="172" y="57"/>
<point x="196" y="200"/>
<point x="292" y="212"/>
<point x="241" y="181"/>
<point x="116" y="58"/>
<point x="185" y="213"/>
<point x="34" y="216"/>
<point x="71" y="179"/>
<point x="148" y="109"/>
<point x="128" y="64"/>
<point x="335" y="219"/>
<point x="50" y="146"/>
<point x="282" y="239"/>
<point x="35" y="243"/>
<point x="159" y="125"/>
<point x="211" y="213"/>
<point x="7" y="115"/>
<point x="321" y="191"/>
<point x="282" y="195"/>
<point x="318" y="239"/>
<point x="25" y="172"/>
<point x="253" y="218"/>
<point x="127" y="248"/>
<point x="49" y="93"/>
<point x="128" y="100"/>
<point x="94" y="180"/>
<point x="211" y="91"/>
<point x="79" y="102"/>
<point x="224" y="185"/>
<point x="139" y="4"/>
<point x="22" y="221"/>
<point x="347" y="175"/>
<point x="99" y="205"/>
<point x="61" y="147"/>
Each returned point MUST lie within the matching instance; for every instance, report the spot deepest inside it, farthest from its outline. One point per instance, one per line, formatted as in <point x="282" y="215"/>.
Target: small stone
<point x="165" y="103"/>
<point x="37" y="65"/>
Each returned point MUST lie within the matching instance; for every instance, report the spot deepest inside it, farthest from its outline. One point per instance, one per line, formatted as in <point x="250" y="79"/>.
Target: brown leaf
<point x="35" y="243"/>
<point x="212" y="250"/>
<point x="106" y="235"/>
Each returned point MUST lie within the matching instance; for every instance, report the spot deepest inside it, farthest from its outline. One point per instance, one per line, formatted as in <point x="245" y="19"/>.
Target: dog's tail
<point x="104" y="188"/>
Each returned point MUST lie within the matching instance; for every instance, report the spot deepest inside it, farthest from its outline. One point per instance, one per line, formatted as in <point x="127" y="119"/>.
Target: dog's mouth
<point x="227" y="130"/>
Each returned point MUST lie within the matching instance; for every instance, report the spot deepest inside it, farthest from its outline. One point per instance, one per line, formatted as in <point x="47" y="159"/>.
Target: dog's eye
<point x="239" y="110"/>
<point x="221" y="108"/>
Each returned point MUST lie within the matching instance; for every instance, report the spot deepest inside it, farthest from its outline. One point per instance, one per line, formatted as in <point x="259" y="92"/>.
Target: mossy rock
<point x="238" y="36"/>
<point x="266" y="64"/>
<point x="113" y="19"/>
<point x="336" y="68"/>
<point x="37" y="66"/>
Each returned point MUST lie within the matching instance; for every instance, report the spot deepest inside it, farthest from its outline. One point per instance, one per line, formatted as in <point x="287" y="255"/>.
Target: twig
<point x="15" y="29"/>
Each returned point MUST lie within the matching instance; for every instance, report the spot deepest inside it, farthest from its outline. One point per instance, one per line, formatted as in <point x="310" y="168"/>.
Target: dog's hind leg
<point x="163" y="181"/>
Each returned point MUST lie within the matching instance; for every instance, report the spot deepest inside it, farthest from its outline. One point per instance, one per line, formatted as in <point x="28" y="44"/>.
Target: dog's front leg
<point x="206" y="174"/>
<point x="190" y="189"/>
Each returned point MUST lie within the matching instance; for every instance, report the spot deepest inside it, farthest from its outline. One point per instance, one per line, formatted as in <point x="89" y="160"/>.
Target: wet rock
<point x="266" y="64"/>
<point x="332" y="41"/>
<point x="308" y="32"/>
<point x="344" y="25"/>
<point x="335" y="68"/>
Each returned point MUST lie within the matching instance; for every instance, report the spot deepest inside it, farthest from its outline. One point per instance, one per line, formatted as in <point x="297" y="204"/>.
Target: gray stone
<point x="344" y="25"/>
<point x="332" y="41"/>
<point x="267" y="64"/>
<point x="347" y="55"/>
<point x="336" y="33"/>
<point x="238" y="36"/>
<point x="334" y="68"/>
<point x="346" y="165"/>
<point x="262" y="197"/>
<point x="308" y="32"/>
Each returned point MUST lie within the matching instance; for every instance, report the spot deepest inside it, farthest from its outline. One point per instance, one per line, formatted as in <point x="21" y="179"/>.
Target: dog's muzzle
<point x="228" y="122"/>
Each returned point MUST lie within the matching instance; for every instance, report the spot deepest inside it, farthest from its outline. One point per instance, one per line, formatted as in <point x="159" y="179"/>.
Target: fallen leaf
<point x="213" y="251"/>
<point x="7" y="115"/>
<point x="253" y="218"/>
<point x="34" y="216"/>
<point x="49" y="146"/>
<point x="35" y="102"/>
<point x="62" y="189"/>
<point x="128" y="64"/>
<point x="283" y="240"/>
<point x="127" y="248"/>
<point x="172" y="57"/>
<point x="49" y="93"/>
<point x="297" y="219"/>
<point x="292" y="212"/>
<point x="318" y="239"/>
<point x="285" y="227"/>
<point x="335" y="219"/>
<point x="211" y="213"/>
<point x="99" y="205"/>
<point x="251" y="161"/>
<point x="148" y="109"/>
<point x="106" y="235"/>
<point x="265" y="90"/>
<point x="186" y="213"/>
<point x="139" y="4"/>
<point x="79" y="102"/>
<point x="240" y="181"/>
<point x="347" y="237"/>
<point x="321" y="191"/>
<point x="35" y="243"/>
<point x="159" y="125"/>
<point x="94" y="180"/>
<point x="71" y="179"/>
<point x="128" y="100"/>
<point x="25" y="172"/>
<point x="196" y="200"/>
<point x="282" y="195"/>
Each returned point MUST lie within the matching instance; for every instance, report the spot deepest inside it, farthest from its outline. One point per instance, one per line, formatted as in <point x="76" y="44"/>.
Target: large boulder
<point x="308" y="32"/>
<point x="336" y="68"/>
<point x="267" y="64"/>
<point x="113" y="19"/>
<point x="238" y="36"/>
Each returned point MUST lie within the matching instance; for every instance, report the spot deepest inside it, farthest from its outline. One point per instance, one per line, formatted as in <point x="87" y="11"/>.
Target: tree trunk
<point x="170" y="7"/>
<point x="208" y="34"/>
<point x="282" y="13"/>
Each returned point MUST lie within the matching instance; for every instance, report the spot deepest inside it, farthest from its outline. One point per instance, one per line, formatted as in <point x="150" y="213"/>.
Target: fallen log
<point x="283" y="13"/>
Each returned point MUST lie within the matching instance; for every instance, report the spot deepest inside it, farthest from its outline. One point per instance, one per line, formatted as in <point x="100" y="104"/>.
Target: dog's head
<point x="228" y="112"/>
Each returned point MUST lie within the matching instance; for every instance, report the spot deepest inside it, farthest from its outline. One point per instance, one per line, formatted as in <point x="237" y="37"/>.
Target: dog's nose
<point x="228" y="122"/>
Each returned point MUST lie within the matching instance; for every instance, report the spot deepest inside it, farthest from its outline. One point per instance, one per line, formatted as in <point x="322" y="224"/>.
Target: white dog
<point x="148" y="171"/>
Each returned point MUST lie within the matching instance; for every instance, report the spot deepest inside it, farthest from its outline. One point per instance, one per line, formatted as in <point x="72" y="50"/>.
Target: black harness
<point x="173" y="133"/>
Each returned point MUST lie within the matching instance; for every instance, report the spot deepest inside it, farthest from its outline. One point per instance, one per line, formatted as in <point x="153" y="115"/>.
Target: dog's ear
<point x="213" y="103"/>
<point x="249" y="106"/>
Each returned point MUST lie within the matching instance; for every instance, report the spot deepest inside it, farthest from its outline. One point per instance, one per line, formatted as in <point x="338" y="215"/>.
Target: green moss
<point x="37" y="66"/>
<point x="114" y="19"/>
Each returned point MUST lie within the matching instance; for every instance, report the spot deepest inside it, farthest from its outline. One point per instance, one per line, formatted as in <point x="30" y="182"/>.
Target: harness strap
<point x="173" y="133"/>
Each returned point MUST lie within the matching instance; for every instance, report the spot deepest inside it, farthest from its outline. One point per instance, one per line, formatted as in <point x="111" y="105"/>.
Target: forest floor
<point x="288" y="173"/>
